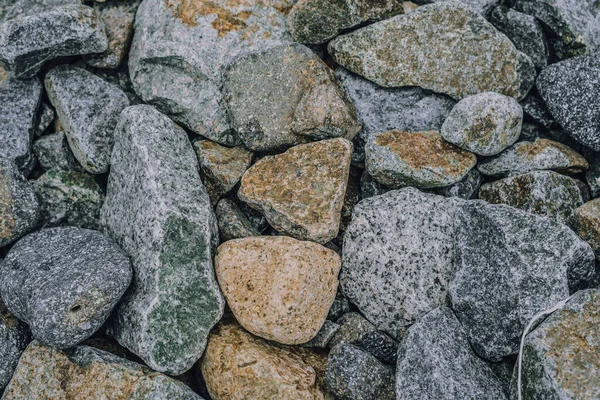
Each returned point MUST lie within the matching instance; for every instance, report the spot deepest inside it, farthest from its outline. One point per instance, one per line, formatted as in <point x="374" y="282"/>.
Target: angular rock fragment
<point x="64" y="282"/>
<point x="45" y="118"/>
<point x="27" y="43"/>
<point x="435" y="361"/>
<point x="233" y="224"/>
<point x="369" y="187"/>
<point x="466" y="189"/>
<point x="53" y="152"/>
<point x="585" y="221"/>
<point x="14" y="338"/>
<point x="484" y="124"/>
<point x="420" y="159"/>
<point x="310" y="102"/>
<point x="301" y="191"/>
<point x="88" y="108"/>
<point x="159" y="212"/>
<point x="445" y="47"/>
<point x="324" y="336"/>
<point x="534" y="110"/>
<point x="83" y="372"/>
<point x="540" y="192"/>
<point x="278" y="288"/>
<point x="340" y="306"/>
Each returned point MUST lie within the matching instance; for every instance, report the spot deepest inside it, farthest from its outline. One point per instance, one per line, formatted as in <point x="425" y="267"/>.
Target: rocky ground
<point x="299" y="199"/>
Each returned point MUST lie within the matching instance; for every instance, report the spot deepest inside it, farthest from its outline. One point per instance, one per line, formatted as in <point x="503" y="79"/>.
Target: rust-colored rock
<point x="585" y="221"/>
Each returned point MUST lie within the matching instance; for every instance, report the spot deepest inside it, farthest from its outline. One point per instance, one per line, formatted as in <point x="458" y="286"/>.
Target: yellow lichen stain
<point x="187" y="11"/>
<point x="7" y="221"/>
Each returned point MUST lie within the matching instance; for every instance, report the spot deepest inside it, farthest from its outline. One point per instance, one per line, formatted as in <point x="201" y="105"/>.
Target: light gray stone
<point x="483" y="7"/>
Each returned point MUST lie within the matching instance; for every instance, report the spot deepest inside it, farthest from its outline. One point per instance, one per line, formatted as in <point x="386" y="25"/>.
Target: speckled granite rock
<point x="353" y="374"/>
<point x="19" y="101"/>
<point x="534" y="110"/>
<point x="560" y="357"/>
<point x="466" y="189"/>
<point x="317" y="21"/>
<point x="483" y="7"/>
<point x="544" y="193"/>
<point x="69" y="198"/>
<point x="158" y="211"/>
<point x="45" y="118"/>
<point x="435" y="361"/>
<point x="369" y="187"/>
<point x="53" y="152"/>
<point x="233" y="223"/>
<point x="86" y="373"/>
<point x="302" y="190"/>
<point x="398" y="257"/>
<point x="19" y="206"/>
<point x="179" y="49"/>
<point x="24" y="8"/>
<point x="382" y="109"/>
<point x="278" y="288"/>
<point x="420" y="159"/>
<point x="88" y="108"/>
<point x="340" y="306"/>
<point x="239" y="366"/>
<point x="572" y="94"/>
<point x="310" y="102"/>
<point x="26" y="43"/>
<point x="484" y="124"/>
<point x="510" y="265"/>
<point x="324" y="336"/>
<point x="445" y="47"/>
<point x="14" y="337"/>
<point x="585" y="221"/>
<point x="64" y="282"/>
<point x="531" y="156"/>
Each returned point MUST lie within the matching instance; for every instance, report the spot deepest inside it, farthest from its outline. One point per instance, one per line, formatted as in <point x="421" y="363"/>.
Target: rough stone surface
<point x="64" y="282"/>
<point x="466" y="189"/>
<point x="23" y="8"/>
<point x="572" y="94"/>
<point x="45" y="118"/>
<point x="278" y="288"/>
<point x="534" y="110"/>
<point x="69" y="198"/>
<point x="310" y="103"/>
<point x="14" y="337"/>
<point x="484" y="124"/>
<point x="159" y="212"/>
<point x="585" y="221"/>
<point x="420" y="159"/>
<point x="88" y="108"/>
<point x="483" y="7"/>
<point x="317" y="21"/>
<point x="19" y="206"/>
<point x="340" y="306"/>
<point x="301" y="192"/>
<point x="19" y="101"/>
<point x="86" y="373"/>
<point x="27" y="43"/>
<point x="353" y="374"/>
<point x="543" y="154"/>
<point x="435" y="361"/>
<point x="233" y="223"/>
<point x="180" y="47"/>
<point x="545" y="193"/>
<point x="324" y="336"/>
<point x="239" y="366"/>
<point x="369" y="187"/>
<point x="510" y="265"/>
<point x="445" y="47"/>
<point x="53" y="152"/>
<point x="561" y="356"/>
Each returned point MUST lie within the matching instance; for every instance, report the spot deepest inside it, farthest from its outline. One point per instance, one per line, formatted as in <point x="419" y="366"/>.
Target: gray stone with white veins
<point x="19" y="101"/>
<point x="485" y="123"/>
<point x="180" y="47"/>
<point x="64" y="283"/>
<point x="510" y="265"/>
<point x="159" y="212"/>
<point x="571" y="90"/>
<point x="53" y="152"/>
<point x="88" y="108"/>
<point x="435" y="361"/>
<point x="14" y="337"/>
<point x="27" y="43"/>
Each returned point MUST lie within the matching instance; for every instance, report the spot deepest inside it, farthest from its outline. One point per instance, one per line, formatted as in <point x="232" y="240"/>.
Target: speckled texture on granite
<point x="53" y="152"/>
<point x="45" y="118"/>
<point x="24" y="8"/>
<point x="585" y="221"/>
<point x="64" y="282"/>
<point x="445" y="47"/>
<point x="534" y="110"/>
<point x="483" y="7"/>
<point x="88" y="108"/>
<point x="324" y="336"/>
<point x="466" y="189"/>
<point x="233" y="223"/>
<point x="14" y="337"/>
<point x="159" y="212"/>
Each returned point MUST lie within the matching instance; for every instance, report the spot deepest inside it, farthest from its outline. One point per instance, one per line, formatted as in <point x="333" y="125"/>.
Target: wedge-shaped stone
<point x="14" y="338"/>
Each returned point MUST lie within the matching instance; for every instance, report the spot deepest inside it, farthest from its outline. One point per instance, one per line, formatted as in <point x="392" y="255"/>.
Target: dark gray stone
<point x="369" y="187"/>
<point x="45" y="118"/>
<point x="435" y="361"/>
<point x="14" y="338"/>
<point x="88" y="108"/>
<point x="53" y="152"/>
<point x="592" y="176"/>
<point x="339" y="307"/>
<point x="534" y="110"/>
<point x="64" y="282"/>
<point x="483" y="7"/>
<point x="466" y="189"/>
<point x="324" y="335"/>
<point x="232" y="222"/>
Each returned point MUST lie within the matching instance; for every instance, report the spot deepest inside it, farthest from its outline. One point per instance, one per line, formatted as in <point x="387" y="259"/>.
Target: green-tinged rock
<point x="53" y="152"/>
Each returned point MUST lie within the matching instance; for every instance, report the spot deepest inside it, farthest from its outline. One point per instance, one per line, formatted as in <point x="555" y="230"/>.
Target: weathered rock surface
<point x="301" y="191"/>
<point x="86" y="373"/>
<point x="239" y="366"/>
<point x="543" y="154"/>
<point x="159" y="212"/>
<point x="14" y="337"/>
<point x="483" y="7"/>
<point x="310" y="102"/>
<point x="64" y="282"/>
<point x="27" y="43"/>
<point x="484" y="124"/>
<point x="23" y="8"/>
<point x="353" y="374"/>
<point x="585" y="221"/>
<point x="572" y="94"/>
<point x="53" y="152"/>
<point x="420" y="159"/>
<point x="45" y="118"/>
<point x="545" y="193"/>
<point x="233" y="223"/>
<point x="324" y="336"/>
<point x="88" y="108"/>
<point x="466" y="189"/>
<point x="435" y="361"/>
<point x="19" y="101"/>
<point x="445" y="47"/>
<point x="278" y="288"/>
<point x="534" y="110"/>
